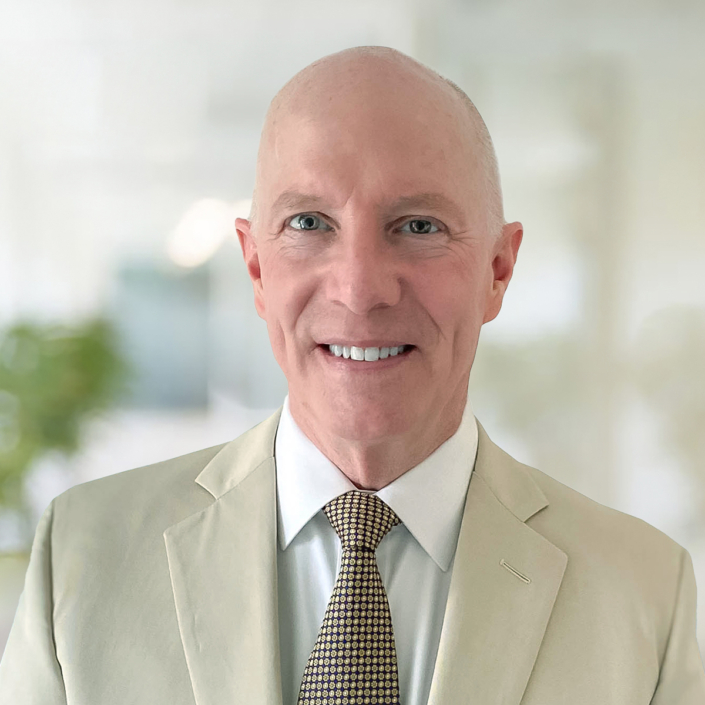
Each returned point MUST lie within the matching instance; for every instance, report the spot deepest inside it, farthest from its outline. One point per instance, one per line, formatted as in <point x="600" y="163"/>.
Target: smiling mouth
<point x="368" y="354"/>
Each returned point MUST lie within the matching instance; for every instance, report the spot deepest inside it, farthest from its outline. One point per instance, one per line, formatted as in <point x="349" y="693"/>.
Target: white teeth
<point x="366" y="354"/>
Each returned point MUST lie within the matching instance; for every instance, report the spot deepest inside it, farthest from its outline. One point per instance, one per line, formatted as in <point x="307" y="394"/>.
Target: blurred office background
<point x="128" y="137"/>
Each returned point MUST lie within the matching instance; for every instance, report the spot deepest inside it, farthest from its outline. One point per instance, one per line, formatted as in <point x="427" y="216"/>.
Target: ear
<point x="504" y="257"/>
<point x="248" y="244"/>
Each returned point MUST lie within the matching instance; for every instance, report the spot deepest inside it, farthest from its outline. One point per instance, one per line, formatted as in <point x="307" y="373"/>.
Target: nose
<point x="364" y="271"/>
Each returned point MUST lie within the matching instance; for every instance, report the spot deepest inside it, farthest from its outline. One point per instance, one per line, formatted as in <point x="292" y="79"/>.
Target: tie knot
<point x="360" y="519"/>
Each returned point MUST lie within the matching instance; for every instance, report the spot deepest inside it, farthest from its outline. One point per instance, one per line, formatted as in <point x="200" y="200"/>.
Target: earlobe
<point x="494" y="304"/>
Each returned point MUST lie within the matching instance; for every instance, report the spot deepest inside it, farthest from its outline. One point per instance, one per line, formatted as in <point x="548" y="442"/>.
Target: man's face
<point x="386" y="245"/>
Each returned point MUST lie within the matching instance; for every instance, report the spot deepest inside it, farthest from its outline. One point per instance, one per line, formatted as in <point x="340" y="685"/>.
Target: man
<point x="367" y="543"/>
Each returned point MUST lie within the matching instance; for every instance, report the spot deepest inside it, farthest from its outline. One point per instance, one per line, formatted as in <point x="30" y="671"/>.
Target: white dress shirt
<point x="415" y="558"/>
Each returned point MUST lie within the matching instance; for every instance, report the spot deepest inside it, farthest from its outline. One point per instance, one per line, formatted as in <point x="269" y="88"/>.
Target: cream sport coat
<point x="158" y="586"/>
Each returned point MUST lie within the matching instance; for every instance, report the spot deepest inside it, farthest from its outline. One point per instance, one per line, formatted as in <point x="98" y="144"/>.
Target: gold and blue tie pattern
<point x="354" y="661"/>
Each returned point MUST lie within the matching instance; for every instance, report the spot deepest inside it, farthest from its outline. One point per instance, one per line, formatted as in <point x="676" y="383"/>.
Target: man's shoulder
<point x="156" y="495"/>
<point x="137" y="505"/>
<point x="569" y="519"/>
<point x="608" y="546"/>
<point x="586" y="521"/>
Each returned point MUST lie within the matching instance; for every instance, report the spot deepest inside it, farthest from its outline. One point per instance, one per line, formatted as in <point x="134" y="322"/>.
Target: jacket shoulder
<point x="622" y="570"/>
<point x="156" y="495"/>
<point x="586" y="522"/>
<point x="616" y="559"/>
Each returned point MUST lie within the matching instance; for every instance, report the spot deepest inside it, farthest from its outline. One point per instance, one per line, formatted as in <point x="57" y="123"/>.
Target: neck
<point x="373" y="464"/>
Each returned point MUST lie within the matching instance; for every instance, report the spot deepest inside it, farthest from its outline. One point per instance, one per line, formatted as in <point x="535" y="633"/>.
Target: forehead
<point x="379" y="153"/>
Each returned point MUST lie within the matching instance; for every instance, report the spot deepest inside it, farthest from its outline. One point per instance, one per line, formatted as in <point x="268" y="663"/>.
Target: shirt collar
<point x="429" y="498"/>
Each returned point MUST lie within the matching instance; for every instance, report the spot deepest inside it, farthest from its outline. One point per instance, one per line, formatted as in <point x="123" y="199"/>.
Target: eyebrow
<point x="290" y="199"/>
<point x="294" y="199"/>
<point x="431" y="201"/>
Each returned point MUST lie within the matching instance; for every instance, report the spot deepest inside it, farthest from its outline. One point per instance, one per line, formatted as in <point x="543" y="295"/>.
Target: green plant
<point x="53" y="378"/>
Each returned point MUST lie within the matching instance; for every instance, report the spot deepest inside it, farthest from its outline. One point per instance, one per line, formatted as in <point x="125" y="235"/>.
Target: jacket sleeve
<point x="30" y="673"/>
<point x="682" y="676"/>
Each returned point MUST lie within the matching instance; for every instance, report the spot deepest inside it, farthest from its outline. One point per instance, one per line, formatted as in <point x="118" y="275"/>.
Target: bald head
<point x="365" y="79"/>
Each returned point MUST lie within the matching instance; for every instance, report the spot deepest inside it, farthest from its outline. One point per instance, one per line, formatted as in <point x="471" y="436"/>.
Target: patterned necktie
<point x="354" y="660"/>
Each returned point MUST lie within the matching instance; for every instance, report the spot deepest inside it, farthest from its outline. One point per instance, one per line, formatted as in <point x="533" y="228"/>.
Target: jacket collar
<point x="508" y="479"/>
<point x="240" y="457"/>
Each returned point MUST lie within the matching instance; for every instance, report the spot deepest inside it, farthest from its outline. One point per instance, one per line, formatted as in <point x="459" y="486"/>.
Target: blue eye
<point x="420" y="227"/>
<point x="308" y="221"/>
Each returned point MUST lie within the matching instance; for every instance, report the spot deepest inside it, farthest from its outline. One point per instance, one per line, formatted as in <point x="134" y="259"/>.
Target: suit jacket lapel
<point x="505" y="580"/>
<point x="223" y="566"/>
<point x="222" y="562"/>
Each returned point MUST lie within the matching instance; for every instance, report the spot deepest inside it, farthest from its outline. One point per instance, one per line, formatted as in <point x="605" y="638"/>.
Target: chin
<point x="366" y="423"/>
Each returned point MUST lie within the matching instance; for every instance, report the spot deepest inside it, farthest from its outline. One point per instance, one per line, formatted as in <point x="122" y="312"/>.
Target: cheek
<point x="278" y="283"/>
<point x="452" y="297"/>
<point x="286" y="289"/>
<point x="456" y="303"/>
